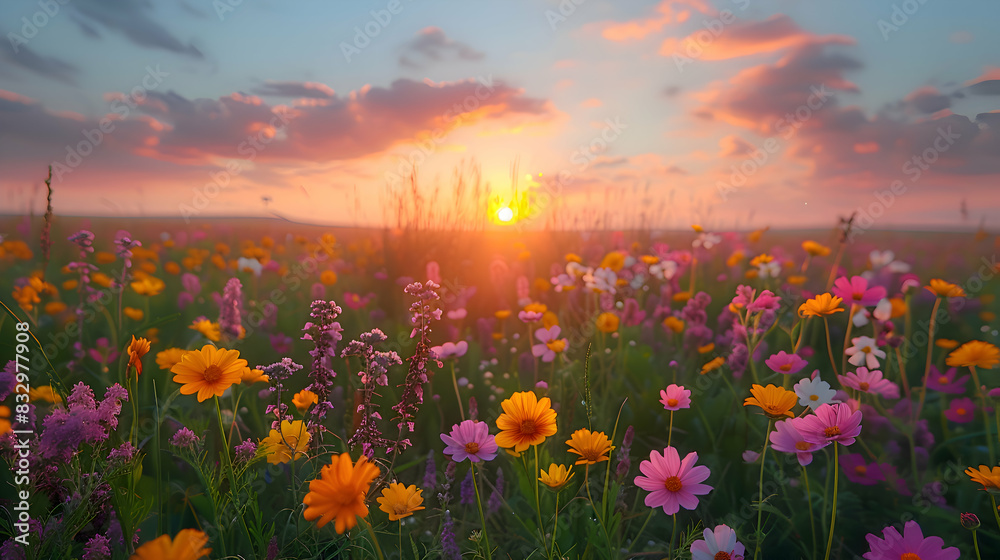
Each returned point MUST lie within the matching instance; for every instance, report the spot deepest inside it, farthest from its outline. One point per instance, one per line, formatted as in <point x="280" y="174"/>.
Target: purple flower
<point x="467" y="496"/>
<point x="430" y="472"/>
<point x="946" y="382"/>
<point x="788" y="364"/>
<point x="449" y="547"/>
<point x="496" y="497"/>
<point x="184" y="438"/>
<point x="191" y="283"/>
<point x="470" y="440"/>
<point x="246" y="451"/>
<point x="961" y="410"/>
<point x="8" y="380"/>
<point x="860" y="472"/>
<point x="911" y="544"/>
<point x="230" y="313"/>
<point x="96" y="548"/>
<point x="450" y="350"/>
<point x="122" y="453"/>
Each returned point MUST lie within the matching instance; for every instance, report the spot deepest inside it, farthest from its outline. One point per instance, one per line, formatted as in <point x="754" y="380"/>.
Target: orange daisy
<point x="339" y="492"/>
<point x="525" y="421"/>
<point x="209" y="371"/>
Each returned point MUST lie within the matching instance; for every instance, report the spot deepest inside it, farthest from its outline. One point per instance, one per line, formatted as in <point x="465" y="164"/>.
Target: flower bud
<point x="970" y="521"/>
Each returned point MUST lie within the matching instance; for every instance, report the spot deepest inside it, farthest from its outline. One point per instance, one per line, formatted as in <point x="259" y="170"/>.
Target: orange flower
<point x="169" y="357"/>
<point x="989" y="478"/>
<point x="133" y="313"/>
<point x="525" y="421"/>
<point x="208" y="329"/>
<point x="674" y="324"/>
<point x="776" y="402"/>
<point x="251" y="376"/>
<point x="502" y="314"/>
<point x="288" y="444"/>
<point x="304" y="399"/>
<point x="187" y="545"/>
<point x="940" y="288"/>
<point x="815" y="249"/>
<point x="607" y="322"/>
<point x="328" y="277"/>
<point x="592" y="447"/>
<point x="136" y="350"/>
<point x="400" y="501"/>
<point x="820" y="306"/>
<point x="209" y="371"/>
<point x="615" y="260"/>
<point x="975" y="353"/>
<point x="713" y="365"/>
<point x="706" y="348"/>
<point x="339" y="492"/>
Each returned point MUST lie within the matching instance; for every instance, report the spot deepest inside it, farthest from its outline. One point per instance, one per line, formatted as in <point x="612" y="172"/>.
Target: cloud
<point x="135" y="20"/>
<point x="432" y="45"/>
<point x="927" y="100"/>
<point x="746" y="38"/>
<point x="310" y="90"/>
<point x="732" y="145"/>
<point x="27" y="59"/>
<point x="667" y="12"/>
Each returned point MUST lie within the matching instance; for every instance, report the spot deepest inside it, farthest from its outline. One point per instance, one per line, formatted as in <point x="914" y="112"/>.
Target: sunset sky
<point x="731" y="113"/>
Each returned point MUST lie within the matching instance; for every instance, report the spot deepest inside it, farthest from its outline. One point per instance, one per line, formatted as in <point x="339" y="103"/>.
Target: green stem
<point x="829" y="347"/>
<point x="986" y="414"/>
<point x="232" y="476"/>
<point x="833" y="515"/>
<point x="930" y="354"/>
<point x="996" y="515"/>
<point x="641" y="529"/>
<point x="600" y="519"/>
<point x="673" y="537"/>
<point x="760" y="492"/>
<point x="812" y="520"/>
<point x="538" y="507"/>
<point x="454" y="383"/>
<point x="670" y="430"/>
<point x="371" y="531"/>
<point x="975" y="543"/>
<point x="482" y="518"/>
<point x="555" y="527"/>
<point x="847" y="337"/>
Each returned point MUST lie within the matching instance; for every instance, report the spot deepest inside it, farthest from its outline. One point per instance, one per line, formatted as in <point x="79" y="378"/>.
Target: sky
<point x="728" y="113"/>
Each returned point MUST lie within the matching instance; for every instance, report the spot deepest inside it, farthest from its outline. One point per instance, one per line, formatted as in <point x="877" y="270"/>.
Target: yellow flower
<point x="615" y="260"/>
<point x="607" y="322"/>
<point x="975" y="353"/>
<point x="502" y="314"/>
<point x="556" y="477"/>
<point x="820" y="306"/>
<point x="592" y="447"/>
<point x="940" y="288"/>
<point x="304" y="399"/>
<point x="681" y="297"/>
<point x="735" y="258"/>
<point x="760" y="259"/>
<point x="706" y="348"/>
<point x="209" y="371"/>
<point x="549" y="319"/>
<point x="187" y="545"/>
<point x="136" y="350"/>
<point x="292" y="439"/>
<point x="525" y="421"/>
<point x="339" y="493"/>
<point x="148" y="286"/>
<point x="44" y="393"/>
<point x="133" y="313"/>
<point x="674" y="324"/>
<point x="945" y="343"/>
<point x="573" y="257"/>
<point x="542" y="285"/>
<point x="207" y="328"/>
<point x="169" y="357"/>
<point x="400" y="501"/>
<point x="776" y="402"/>
<point x="251" y="376"/>
<point x="328" y="277"/>
<point x="989" y="478"/>
<point x="536" y="307"/>
<point x="26" y="297"/>
<point x="713" y="365"/>
<point x="815" y="249"/>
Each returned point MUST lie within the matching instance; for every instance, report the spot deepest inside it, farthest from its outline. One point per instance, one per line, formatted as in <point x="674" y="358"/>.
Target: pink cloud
<point x="667" y="12"/>
<point x="745" y="38"/>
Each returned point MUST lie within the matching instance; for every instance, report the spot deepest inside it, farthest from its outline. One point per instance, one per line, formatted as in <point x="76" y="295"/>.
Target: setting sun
<point x="505" y="214"/>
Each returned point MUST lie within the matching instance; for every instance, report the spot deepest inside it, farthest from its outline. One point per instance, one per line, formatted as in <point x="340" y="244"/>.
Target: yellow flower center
<point x="527" y="427"/>
<point x="861" y="470"/>
<point x="960" y="411"/>
<point x="399" y="508"/>
<point x="814" y="397"/>
<point x="213" y="373"/>
<point x="909" y="556"/>
<point x="832" y="431"/>
<point x="556" y="345"/>
<point x="863" y="385"/>
<point x="785" y="367"/>
<point x="867" y="350"/>
<point x="673" y="484"/>
<point x="942" y="380"/>
<point x="472" y="448"/>
<point x="802" y="445"/>
<point x="720" y="555"/>
<point x="672" y="402"/>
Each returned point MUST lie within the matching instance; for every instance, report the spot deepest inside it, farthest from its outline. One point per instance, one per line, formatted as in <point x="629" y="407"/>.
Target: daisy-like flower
<point x="304" y="399"/>
<point x="787" y="439"/>
<point x="607" y="322"/>
<point x="592" y="447"/>
<point x="601" y="280"/>
<point x="288" y="444"/>
<point x="450" y="350"/>
<point x="209" y="371"/>
<point x="339" y="493"/>
<point x="675" y="397"/>
<point x="989" y="478"/>
<point x="671" y="482"/>
<point x="549" y="343"/>
<point x="788" y="364"/>
<point x="860" y="472"/>
<point x="776" y="402"/>
<point x="940" y="288"/>
<point x="718" y="544"/>
<point x="148" y="286"/>
<point x="961" y="410"/>
<point x="946" y="382"/>
<point x="251" y="376"/>
<point x="400" y="501"/>
<point x="169" y="357"/>
<point x="714" y="364"/>
<point x="911" y="545"/>
<point x="864" y="352"/>
<point x="207" y="328"/>
<point x="813" y="392"/>
<point x="136" y="350"/>
<point x="556" y="477"/>
<point x="870" y="382"/>
<point x="470" y="440"/>
<point x="525" y="421"/>
<point x="856" y="291"/>
<point x="821" y="306"/>
<point x="975" y="353"/>
<point x="189" y="544"/>
<point x="815" y="249"/>
<point x="831" y="423"/>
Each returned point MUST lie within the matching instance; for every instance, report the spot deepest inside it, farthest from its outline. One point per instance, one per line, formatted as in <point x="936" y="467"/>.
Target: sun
<point x="505" y="214"/>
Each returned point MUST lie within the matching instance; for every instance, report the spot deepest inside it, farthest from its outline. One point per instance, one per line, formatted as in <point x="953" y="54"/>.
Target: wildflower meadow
<point x="268" y="390"/>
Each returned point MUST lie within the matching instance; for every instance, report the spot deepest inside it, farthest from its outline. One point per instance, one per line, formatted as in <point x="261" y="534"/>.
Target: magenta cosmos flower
<point x="470" y="440"/>
<point x="450" y="350"/>
<point x="910" y="545"/>
<point x="946" y="382"/>
<point x="860" y="472"/>
<point x="672" y="483"/>
<point x="718" y="544"/>
<point x="832" y="423"/>
<point x="675" y="397"/>
<point x="961" y="410"/>
<point x="549" y="343"/>
<point x="856" y="291"/>
<point x="787" y="438"/>
<point x="785" y="363"/>
<point x="870" y="382"/>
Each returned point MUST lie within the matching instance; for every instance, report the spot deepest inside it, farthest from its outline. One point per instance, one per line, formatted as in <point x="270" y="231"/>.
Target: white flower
<point x="575" y="269"/>
<point x="769" y="269"/>
<point x="602" y="280"/>
<point x="865" y="352"/>
<point x="253" y="265"/>
<point x="722" y="539"/>
<point x="706" y="240"/>
<point x="883" y="311"/>
<point x="563" y="282"/>
<point x="881" y="259"/>
<point x="860" y="318"/>
<point x="664" y="269"/>
<point x="814" y="392"/>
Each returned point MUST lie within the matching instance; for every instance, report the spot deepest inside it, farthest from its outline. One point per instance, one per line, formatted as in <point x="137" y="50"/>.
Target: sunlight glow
<point x="505" y="214"/>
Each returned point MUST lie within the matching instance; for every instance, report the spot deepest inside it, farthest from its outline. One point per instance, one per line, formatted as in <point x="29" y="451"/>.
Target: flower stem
<point x="454" y="383"/>
<point x="760" y="492"/>
<point x="538" y="507"/>
<point x="673" y="537"/>
<point x="986" y="413"/>
<point x="833" y="515"/>
<point x="829" y="347"/>
<point x="555" y="527"/>
<point x="812" y="521"/>
<point x="371" y="531"/>
<point x="232" y="476"/>
<point x="930" y="352"/>
<point x="670" y="430"/>
<point x="996" y="515"/>
<point x="482" y="518"/>
<point x="975" y="543"/>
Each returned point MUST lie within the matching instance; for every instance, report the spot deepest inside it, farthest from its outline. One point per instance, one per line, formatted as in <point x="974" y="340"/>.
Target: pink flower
<point x="911" y="544"/>
<point x="355" y="301"/>
<point x="783" y="362"/>
<point x="549" y="343"/>
<point x="860" y="472"/>
<point x="961" y="410"/>
<point x="870" y="382"/>
<point x="450" y="350"/>
<point x="946" y="382"/>
<point x="675" y="397"/>
<point x="672" y="483"/>
<point x="856" y="291"/>
<point x="764" y="302"/>
<point x="720" y="543"/>
<point x="865" y="351"/>
<point x="529" y="316"/>
<point x="457" y="314"/>
<point x="787" y="439"/>
<point x="831" y="423"/>
<point x="470" y="440"/>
